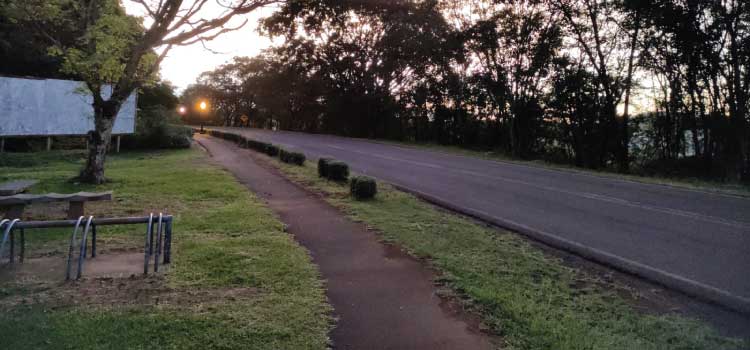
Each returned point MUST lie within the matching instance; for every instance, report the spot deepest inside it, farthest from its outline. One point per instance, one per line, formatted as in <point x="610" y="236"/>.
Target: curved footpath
<point x="383" y="299"/>
<point x="693" y="241"/>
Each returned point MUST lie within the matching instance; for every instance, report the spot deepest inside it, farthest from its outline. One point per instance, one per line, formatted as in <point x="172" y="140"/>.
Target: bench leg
<point x="168" y="242"/>
<point x="23" y="246"/>
<point x="12" y="247"/>
<point x="75" y="210"/>
<point x="14" y="211"/>
<point x="93" y="240"/>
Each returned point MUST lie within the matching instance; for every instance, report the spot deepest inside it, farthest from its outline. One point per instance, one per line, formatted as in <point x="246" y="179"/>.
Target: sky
<point x="184" y="64"/>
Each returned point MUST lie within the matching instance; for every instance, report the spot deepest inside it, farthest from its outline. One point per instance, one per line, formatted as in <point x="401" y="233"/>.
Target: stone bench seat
<point x="10" y="188"/>
<point x="76" y="201"/>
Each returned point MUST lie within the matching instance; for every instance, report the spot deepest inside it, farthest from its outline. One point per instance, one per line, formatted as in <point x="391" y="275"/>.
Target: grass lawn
<point x="237" y="280"/>
<point x="532" y="300"/>
<point x="737" y="189"/>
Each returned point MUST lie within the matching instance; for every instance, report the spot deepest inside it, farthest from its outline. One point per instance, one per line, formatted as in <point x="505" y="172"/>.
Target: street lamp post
<point x="203" y="106"/>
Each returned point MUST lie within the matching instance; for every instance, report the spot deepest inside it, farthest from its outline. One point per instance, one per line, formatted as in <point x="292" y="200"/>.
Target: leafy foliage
<point x="362" y="187"/>
<point x="560" y="80"/>
<point x="158" y="127"/>
<point x="337" y="171"/>
<point x="272" y="150"/>
<point x="323" y="166"/>
<point x="292" y="157"/>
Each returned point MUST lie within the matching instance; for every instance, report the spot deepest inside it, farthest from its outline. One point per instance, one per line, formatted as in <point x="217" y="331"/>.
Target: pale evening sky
<point x="183" y="64"/>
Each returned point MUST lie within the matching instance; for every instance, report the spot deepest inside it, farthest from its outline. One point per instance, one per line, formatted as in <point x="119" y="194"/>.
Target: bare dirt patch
<point x="113" y="280"/>
<point x="53" y="268"/>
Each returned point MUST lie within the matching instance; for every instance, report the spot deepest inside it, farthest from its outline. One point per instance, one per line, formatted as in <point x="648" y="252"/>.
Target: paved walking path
<point x="383" y="299"/>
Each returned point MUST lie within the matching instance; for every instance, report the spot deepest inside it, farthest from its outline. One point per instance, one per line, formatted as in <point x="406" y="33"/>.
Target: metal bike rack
<point x="8" y="233"/>
<point x="162" y="238"/>
<point x="82" y="253"/>
<point x="70" y="248"/>
<point x="159" y="241"/>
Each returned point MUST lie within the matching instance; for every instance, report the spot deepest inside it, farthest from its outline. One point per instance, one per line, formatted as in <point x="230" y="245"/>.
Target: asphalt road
<point x="690" y="239"/>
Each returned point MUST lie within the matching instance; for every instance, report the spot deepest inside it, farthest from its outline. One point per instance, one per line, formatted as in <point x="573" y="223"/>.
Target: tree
<point x="104" y="46"/>
<point x="158" y="94"/>
<point x="514" y="44"/>
<point x="598" y="29"/>
<point x="229" y="98"/>
<point x="699" y="52"/>
<point x="581" y="123"/>
<point x="552" y="79"/>
<point x="24" y="52"/>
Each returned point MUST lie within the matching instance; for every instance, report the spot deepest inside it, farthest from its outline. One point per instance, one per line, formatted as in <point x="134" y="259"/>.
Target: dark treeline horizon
<point x="645" y="86"/>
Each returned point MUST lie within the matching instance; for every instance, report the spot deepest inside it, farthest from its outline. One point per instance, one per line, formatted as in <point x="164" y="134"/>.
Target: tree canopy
<point x="596" y="83"/>
<point x="98" y="42"/>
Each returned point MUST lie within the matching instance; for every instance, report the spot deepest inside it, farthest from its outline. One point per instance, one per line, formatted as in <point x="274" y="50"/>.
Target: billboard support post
<point x="49" y="143"/>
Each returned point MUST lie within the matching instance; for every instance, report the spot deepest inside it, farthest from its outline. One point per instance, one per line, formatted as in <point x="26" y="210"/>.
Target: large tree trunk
<point x="98" y="141"/>
<point x="624" y="154"/>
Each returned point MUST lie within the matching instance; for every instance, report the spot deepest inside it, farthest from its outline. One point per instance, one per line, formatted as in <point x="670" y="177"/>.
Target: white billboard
<point x="43" y="107"/>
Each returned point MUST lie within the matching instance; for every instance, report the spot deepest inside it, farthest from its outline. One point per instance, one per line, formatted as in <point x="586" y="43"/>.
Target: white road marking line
<point x="429" y="165"/>
<point x="614" y="200"/>
<point x="587" y="195"/>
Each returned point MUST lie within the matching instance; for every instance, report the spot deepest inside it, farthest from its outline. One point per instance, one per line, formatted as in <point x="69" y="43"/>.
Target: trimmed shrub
<point x="257" y="145"/>
<point x="284" y="155"/>
<point x="157" y="127"/>
<point x="291" y="157"/>
<point x="180" y="137"/>
<point x="337" y="171"/>
<point x="243" y="142"/>
<point x="231" y="137"/>
<point x="272" y="150"/>
<point x="298" y="158"/>
<point x="323" y="166"/>
<point x="363" y="187"/>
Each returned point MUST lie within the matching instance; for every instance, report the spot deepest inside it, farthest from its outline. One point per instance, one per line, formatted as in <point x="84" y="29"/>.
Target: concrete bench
<point x="15" y="187"/>
<point x="17" y="203"/>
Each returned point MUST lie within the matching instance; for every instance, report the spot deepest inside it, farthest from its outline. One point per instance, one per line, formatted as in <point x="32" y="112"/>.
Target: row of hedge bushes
<point x="361" y="187"/>
<point x="292" y="157"/>
<point x="162" y="136"/>
<point x="332" y="169"/>
<point x="260" y="146"/>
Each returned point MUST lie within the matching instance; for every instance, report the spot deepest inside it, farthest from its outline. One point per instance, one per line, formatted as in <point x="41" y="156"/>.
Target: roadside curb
<point x="685" y="285"/>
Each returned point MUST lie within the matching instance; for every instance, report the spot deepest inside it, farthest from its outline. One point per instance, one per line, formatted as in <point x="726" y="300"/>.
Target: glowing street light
<point x="182" y="110"/>
<point x="202" y="106"/>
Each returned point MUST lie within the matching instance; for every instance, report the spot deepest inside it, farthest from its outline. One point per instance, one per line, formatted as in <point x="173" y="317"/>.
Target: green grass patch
<point x="224" y="239"/>
<point x="532" y="300"/>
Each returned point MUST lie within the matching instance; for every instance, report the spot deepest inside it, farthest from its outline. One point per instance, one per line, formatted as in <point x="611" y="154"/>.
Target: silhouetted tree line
<point x="631" y="85"/>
